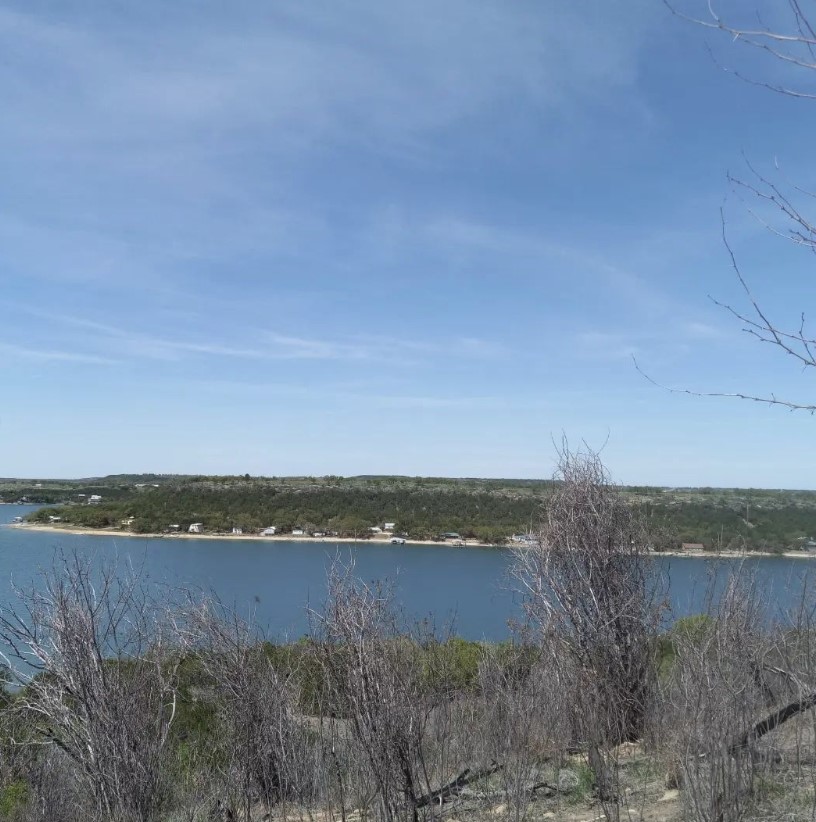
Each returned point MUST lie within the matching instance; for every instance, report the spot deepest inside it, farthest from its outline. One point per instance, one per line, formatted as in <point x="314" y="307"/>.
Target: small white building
<point x="237" y="532"/>
<point x="269" y="532"/>
<point x="389" y="526"/>
<point x="375" y="529"/>
<point x="54" y="519"/>
<point x="196" y="528"/>
<point x="297" y="532"/>
<point x="174" y="527"/>
<point x="94" y="499"/>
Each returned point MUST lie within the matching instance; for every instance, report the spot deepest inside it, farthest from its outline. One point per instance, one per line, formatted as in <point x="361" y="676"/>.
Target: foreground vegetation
<point x="487" y="510"/>
<point x="133" y="707"/>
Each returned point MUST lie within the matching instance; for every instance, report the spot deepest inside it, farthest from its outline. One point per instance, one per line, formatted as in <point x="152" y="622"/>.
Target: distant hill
<point x="484" y="508"/>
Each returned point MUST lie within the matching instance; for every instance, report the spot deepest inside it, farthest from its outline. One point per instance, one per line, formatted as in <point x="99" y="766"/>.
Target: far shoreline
<point x="381" y="542"/>
<point x="114" y="532"/>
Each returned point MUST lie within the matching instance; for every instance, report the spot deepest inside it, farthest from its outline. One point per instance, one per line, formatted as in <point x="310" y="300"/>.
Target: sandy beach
<point x="383" y="540"/>
<point x="738" y="554"/>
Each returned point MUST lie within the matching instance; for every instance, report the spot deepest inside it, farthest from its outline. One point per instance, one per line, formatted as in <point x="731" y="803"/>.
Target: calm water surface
<point x="280" y="580"/>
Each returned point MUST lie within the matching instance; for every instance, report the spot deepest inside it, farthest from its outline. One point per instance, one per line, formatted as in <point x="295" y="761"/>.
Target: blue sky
<point x="403" y="237"/>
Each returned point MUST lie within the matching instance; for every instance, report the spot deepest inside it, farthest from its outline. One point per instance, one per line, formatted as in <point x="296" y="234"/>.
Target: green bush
<point x="13" y="798"/>
<point x="692" y="629"/>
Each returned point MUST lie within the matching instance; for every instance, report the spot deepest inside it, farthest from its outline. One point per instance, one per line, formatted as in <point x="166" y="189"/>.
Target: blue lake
<point x="279" y="581"/>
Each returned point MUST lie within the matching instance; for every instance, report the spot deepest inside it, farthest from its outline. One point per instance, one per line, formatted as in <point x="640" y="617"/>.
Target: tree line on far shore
<point x="490" y="511"/>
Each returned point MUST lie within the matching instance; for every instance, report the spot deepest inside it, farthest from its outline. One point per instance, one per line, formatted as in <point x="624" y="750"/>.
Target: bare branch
<point x="769" y="400"/>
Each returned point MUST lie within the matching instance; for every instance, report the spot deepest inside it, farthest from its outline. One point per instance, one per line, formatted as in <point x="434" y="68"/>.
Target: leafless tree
<point x="374" y="679"/>
<point x="592" y="592"/>
<point x="736" y="708"/>
<point x="715" y="692"/>
<point x="262" y="740"/>
<point x="94" y="663"/>
<point x="793" y="44"/>
<point x="395" y="708"/>
<point x="523" y="721"/>
<point x="782" y="206"/>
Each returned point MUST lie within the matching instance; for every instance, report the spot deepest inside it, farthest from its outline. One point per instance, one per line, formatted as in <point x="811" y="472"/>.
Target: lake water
<point x="281" y="580"/>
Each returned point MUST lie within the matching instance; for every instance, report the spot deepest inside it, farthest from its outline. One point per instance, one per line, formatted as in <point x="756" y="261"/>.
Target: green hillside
<point x="422" y="507"/>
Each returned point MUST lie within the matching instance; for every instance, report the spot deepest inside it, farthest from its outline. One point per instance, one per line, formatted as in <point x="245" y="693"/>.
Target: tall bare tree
<point x="374" y="681"/>
<point x="523" y="721"/>
<point x="263" y="742"/>
<point x="390" y="685"/>
<point x="96" y="668"/>
<point x="713" y="694"/>
<point x="592" y="593"/>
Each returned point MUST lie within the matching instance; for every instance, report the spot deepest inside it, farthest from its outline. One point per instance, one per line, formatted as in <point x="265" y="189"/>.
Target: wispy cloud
<point x="259" y="344"/>
<point x="329" y="72"/>
<point x="13" y="352"/>
<point x="303" y="348"/>
<point x="371" y="397"/>
<point x="677" y="336"/>
<point x="697" y="330"/>
<point x="533" y="248"/>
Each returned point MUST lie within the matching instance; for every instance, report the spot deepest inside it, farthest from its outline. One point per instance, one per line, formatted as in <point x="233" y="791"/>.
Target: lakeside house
<point x="389" y="526"/>
<point x="297" y="532"/>
<point x="450" y="535"/>
<point x="237" y="532"/>
<point x="196" y="528"/>
<point x="375" y="529"/>
<point x="269" y="532"/>
<point x="94" y="499"/>
<point x="524" y="539"/>
<point x="692" y="546"/>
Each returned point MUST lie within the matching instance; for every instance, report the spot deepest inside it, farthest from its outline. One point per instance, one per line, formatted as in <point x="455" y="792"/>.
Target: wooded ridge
<point x="490" y="510"/>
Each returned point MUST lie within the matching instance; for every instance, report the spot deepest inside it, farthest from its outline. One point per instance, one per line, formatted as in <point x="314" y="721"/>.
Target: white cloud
<point x="17" y="352"/>
<point x="147" y="151"/>
<point x="696" y="330"/>
<point x="325" y="71"/>
<point x="663" y="339"/>
<point x="533" y="249"/>
<point x="370" y="397"/>
<point x="258" y="344"/>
